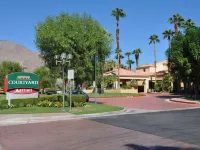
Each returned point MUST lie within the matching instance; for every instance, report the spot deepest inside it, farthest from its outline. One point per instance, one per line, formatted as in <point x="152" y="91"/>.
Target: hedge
<point x="77" y="100"/>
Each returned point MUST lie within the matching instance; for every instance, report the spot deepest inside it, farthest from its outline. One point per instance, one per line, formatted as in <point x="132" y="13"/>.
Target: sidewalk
<point x="15" y="119"/>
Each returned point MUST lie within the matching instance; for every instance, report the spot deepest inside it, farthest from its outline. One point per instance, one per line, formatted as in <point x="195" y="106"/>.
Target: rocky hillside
<point x="17" y="53"/>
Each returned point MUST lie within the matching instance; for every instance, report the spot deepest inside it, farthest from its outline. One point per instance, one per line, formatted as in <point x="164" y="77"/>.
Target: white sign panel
<point x="70" y="74"/>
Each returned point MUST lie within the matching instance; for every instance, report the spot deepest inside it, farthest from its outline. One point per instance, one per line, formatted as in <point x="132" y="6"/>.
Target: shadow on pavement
<point x="97" y="102"/>
<point x="139" y="147"/>
<point x="169" y="96"/>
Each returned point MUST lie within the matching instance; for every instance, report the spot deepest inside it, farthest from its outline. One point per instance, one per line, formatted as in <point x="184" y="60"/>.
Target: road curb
<point x="119" y="97"/>
<point x="183" y="101"/>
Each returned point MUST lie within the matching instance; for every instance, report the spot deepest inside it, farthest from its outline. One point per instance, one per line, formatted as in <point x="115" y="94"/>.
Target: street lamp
<point x="63" y="59"/>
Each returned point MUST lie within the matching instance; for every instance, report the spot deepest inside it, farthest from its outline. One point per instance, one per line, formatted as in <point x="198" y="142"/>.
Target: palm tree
<point x="109" y="65"/>
<point x="168" y="34"/>
<point x="118" y="13"/>
<point x="137" y="53"/>
<point x="154" y="39"/>
<point x="128" y="55"/>
<point x="130" y="63"/>
<point x="177" y="20"/>
<point x="188" y="24"/>
<point x="119" y="56"/>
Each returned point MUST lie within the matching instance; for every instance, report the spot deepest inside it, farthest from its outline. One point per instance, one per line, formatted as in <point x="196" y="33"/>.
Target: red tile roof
<point x="128" y="73"/>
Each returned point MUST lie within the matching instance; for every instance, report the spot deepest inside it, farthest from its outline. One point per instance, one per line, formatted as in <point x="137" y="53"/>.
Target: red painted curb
<point x="183" y="102"/>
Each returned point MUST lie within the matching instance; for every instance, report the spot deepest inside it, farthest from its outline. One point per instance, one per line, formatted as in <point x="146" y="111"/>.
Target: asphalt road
<point x="181" y="125"/>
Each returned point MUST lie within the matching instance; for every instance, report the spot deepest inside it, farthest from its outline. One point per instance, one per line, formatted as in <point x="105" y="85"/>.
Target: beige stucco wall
<point x="152" y="69"/>
<point x="142" y="69"/>
<point x="160" y="67"/>
<point x="133" y="90"/>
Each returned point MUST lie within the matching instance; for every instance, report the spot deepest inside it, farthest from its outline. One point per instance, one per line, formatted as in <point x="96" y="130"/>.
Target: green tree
<point x="78" y="34"/>
<point x="118" y="13"/>
<point x="177" y="20"/>
<point x="128" y="55"/>
<point x="154" y="39"/>
<point x="130" y="63"/>
<point x="8" y="67"/>
<point x="166" y="83"/>
<point x="168" y="34"/>
<point x="109" y="80"/>
<point x="118" y="52"/>
<point x="46" y="76"/>
<point x="188" y="24"/>
<point x="109" y="65"/>
<point x="184" y="59"/>
<point x="137" y="53"/>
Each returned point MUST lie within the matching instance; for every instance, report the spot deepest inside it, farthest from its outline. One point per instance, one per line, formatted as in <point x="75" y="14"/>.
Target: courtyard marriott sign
<point x="21" y="85"/>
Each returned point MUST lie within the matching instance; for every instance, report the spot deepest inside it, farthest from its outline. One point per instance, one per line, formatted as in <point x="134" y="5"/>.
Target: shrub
<point x="166" y="83"/>
<point x="158" y="86"/>
<point x="77" y="100"/>
<point x="4" y="104"/>
<point x="133" y="84"/>
<point x="45" y="101"/>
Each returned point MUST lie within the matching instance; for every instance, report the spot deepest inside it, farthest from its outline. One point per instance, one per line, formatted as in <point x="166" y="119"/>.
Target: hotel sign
<point x="21" y="85"/>
<point x="21" y="80"/>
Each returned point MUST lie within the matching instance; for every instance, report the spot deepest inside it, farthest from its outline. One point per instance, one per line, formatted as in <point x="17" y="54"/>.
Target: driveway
<point x="182" y="125"/>
<point x="173" y="130"/>
<point x="149" y="102"/>
<point x="129" y="132"/>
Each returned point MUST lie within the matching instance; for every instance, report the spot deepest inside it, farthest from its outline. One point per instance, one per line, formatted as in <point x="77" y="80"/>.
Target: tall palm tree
<point x="177" y="20"/>
<point x="168" y="34"/>
<point x="137" y="53"/>
<point x="154" y="39"/>
<point x="188" y="24"/>
<point x="118" y="13"/>
<point x="130" y="63"/>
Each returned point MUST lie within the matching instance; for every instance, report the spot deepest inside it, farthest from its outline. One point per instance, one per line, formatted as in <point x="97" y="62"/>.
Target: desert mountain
<point x="10" y="51"/>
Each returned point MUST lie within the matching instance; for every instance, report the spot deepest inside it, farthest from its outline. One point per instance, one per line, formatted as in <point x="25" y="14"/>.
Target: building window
<point x="144" y="69"/>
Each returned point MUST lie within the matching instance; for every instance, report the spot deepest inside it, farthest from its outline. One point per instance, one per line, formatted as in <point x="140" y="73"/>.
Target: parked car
<point x="50" y="92"/>
<point x="81" y="92"/>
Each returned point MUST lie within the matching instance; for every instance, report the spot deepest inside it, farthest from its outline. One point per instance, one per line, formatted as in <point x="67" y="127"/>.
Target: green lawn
<point x="114" y="94"/>
<point x="89" y="108"/>
<point x="2" y="97"/>
<point x="95" y="108"/>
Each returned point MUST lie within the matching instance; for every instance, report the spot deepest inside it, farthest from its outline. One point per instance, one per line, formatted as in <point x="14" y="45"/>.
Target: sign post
<point x="21" y="85"/>
<point x="70" y="77"/>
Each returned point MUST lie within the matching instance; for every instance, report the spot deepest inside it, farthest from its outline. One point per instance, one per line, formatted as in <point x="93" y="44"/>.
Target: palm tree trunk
<point x="118" y="54"/>
<point x="130" y="66"/>
<point x="155" y="60"/>
<point x="136" y="59"/>
<point x="176" y="28"/>
<point x="169" y="54"/>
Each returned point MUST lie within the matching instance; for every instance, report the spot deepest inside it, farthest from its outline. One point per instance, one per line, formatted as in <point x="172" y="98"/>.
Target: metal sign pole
<point x="63" y="109"/>
<point x="70" y="98"/>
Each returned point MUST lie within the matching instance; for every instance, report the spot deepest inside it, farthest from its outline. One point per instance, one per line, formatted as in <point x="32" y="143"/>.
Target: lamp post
<point x="63" y="59"/>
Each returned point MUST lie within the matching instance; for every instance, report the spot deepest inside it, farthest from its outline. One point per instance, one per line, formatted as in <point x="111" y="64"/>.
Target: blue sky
<point x="144" y="18"/>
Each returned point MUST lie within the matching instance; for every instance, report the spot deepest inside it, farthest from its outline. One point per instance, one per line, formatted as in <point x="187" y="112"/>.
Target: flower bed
<point x="45" y="101"/>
